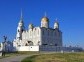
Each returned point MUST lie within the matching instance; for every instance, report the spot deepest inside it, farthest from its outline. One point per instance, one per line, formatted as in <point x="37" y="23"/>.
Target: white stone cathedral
<point x="38" y="36"/>
<point x="41" y="38"/>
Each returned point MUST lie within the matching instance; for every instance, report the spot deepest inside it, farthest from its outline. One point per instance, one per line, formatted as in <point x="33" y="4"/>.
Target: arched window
<point x="26" y="44"/>
<point x="55" y="44"/>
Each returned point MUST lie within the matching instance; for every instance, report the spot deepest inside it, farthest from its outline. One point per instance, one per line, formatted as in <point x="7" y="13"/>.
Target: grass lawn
<point x="56" y="57"/>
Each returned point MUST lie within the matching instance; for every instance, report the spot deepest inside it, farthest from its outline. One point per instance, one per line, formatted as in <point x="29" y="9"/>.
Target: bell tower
<point x="20" y="28"/>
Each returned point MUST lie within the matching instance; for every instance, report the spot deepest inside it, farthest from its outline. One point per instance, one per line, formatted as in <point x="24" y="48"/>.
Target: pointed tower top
<point x="21" y="14"/>
<point x="56" y="20"/>
<point x="21" y="17"/>
<point x="45" y="14"/>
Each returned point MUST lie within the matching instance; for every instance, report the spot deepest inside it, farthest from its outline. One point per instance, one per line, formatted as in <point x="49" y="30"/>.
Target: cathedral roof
<point x="45" y="19"/>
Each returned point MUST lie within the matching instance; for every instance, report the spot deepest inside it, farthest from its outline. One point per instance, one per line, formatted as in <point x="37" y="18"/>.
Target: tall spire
<point x="21" y="17"/>
<point x="21" y="14"/>
<point x="45" y="14"/>
<point x="56" y="20"/>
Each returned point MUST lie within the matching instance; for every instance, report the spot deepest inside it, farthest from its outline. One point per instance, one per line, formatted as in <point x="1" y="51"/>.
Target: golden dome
<point x="45" y="19"/>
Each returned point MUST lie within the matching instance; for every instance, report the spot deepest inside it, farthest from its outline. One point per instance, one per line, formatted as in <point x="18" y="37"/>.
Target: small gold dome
<point x="45" y="19"/>
<point x="30" y="26"/>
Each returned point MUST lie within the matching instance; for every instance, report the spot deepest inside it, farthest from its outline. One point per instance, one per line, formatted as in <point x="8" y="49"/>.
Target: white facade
<point x="28" y="48"/>
<point x="37" y="36"/>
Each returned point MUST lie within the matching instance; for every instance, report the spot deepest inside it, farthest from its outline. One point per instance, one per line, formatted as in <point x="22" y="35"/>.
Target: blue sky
<point x="70" y="15"/>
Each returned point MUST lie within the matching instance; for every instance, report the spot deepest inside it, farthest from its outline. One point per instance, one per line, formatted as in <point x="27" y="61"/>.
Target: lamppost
<point x="4" y="45"/>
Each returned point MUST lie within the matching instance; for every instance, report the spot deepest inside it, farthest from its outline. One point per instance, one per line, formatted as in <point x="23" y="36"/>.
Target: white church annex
<point x="35" y="37"/>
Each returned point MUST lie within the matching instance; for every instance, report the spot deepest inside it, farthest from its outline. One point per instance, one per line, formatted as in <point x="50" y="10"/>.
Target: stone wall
<point x="59" y="49"/>
<point x="27" y="48"/>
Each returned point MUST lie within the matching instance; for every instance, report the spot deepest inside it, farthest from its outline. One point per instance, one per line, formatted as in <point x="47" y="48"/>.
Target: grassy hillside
<point x="56" y="57"/>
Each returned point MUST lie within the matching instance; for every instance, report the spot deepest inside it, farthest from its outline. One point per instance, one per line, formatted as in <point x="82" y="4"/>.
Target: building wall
<point x="60" y="49"/>
<point x="28" y="48"/>
<point x="51" y="37"/>
<point x="33" y="35"/>
<point x="41" y="36"/>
